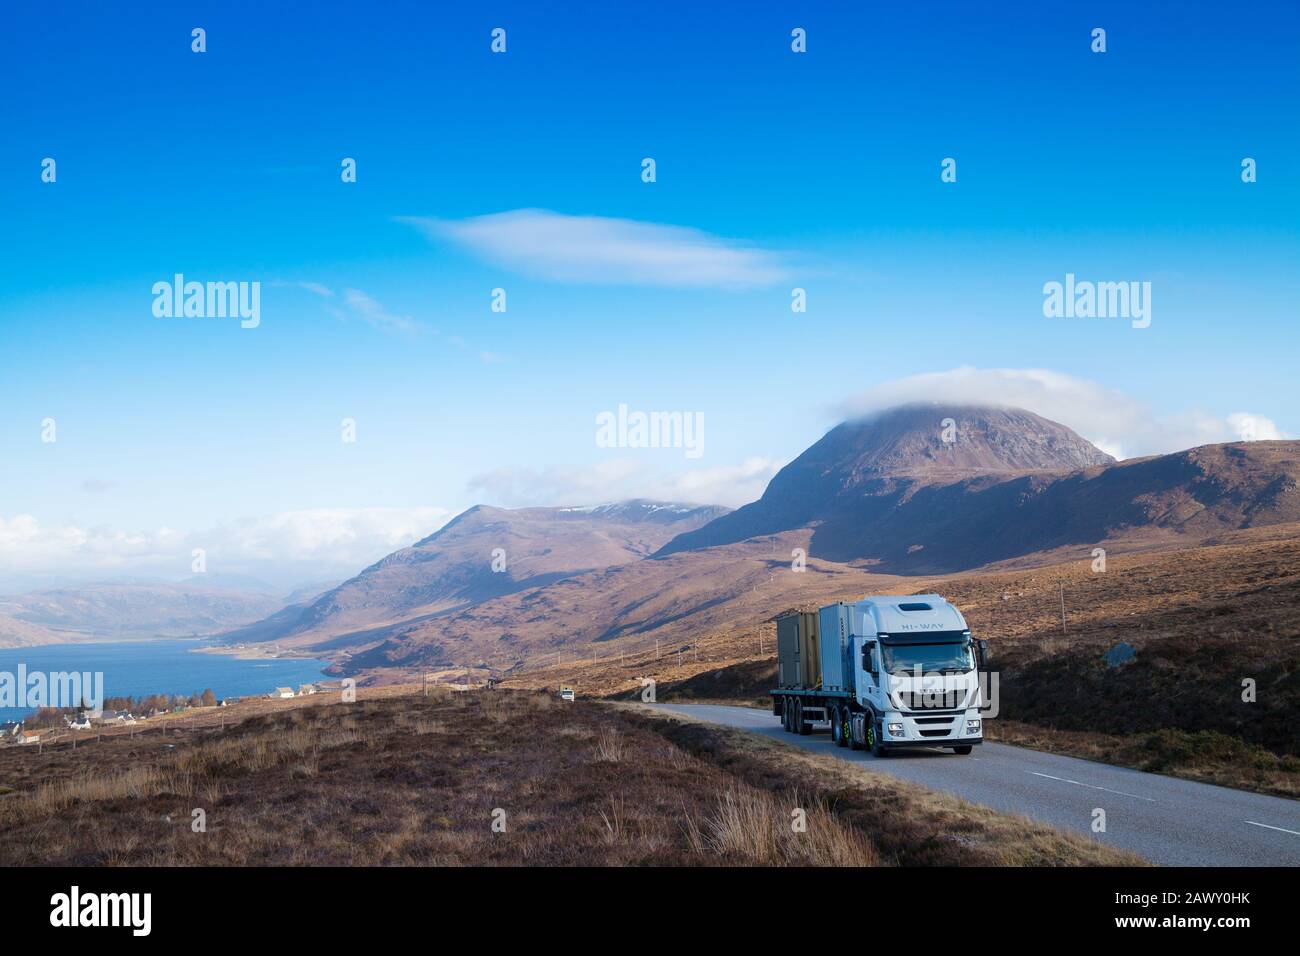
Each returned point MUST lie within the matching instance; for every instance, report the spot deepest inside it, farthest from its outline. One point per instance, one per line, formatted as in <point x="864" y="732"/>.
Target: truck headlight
<point x="972" y="726"/>
<point x="895" y="730"/>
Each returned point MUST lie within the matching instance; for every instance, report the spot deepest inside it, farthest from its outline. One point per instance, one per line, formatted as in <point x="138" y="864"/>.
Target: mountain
<point x="666" y="603"/>
<point x="128" y="610"/>
<point x="18" y="633"/>
<point x="481" y="554"/>
<point x="864" y="472"/>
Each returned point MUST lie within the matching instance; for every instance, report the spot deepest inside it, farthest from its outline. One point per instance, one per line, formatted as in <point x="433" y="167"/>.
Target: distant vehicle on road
<point x="566" y="693"/>
<point x="885" y="672"/>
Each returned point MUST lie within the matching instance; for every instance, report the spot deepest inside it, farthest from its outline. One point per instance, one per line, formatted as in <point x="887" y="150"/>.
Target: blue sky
<point x="817" y="170"/>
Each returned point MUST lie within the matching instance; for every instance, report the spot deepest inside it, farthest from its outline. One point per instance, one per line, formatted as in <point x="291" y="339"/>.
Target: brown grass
<point x="609" y="745"/>
<point x="757" y="827"/>
<point x="418" y="781"/>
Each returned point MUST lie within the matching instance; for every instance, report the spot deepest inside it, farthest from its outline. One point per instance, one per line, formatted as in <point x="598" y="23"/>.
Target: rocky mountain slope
<point x="482" y="554"/>
<point x="892" y="493"/>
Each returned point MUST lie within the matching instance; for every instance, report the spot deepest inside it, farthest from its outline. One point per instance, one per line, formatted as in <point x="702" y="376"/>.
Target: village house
<point x="28" y="737"/>
<point x="80" y="722"/>
<point x="115" y="717"/>
<point x="305" y="689"/>
<point x="9" y="730"/>
<point x="283" y="692"/>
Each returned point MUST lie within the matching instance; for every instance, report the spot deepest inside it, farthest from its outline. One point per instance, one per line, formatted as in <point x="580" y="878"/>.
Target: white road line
<point x="1090" y="786"/>
<point x="1267" y="827"/>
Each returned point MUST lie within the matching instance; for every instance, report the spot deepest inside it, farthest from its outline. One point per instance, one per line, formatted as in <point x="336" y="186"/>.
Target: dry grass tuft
<point x="753" y="826"/>
<point x="609" y="745"/>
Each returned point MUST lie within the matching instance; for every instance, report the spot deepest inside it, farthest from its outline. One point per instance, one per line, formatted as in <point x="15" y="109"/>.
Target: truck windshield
<point x="951" y="656"/>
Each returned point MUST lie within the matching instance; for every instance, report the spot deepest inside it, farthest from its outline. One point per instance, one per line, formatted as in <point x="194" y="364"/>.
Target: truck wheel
<point x="873" y="742"/>
<point x="963" y="750"/>
<point x="837" y="726"/>
<point x="785" y="714"/>
<point x="854" y="743"/>
<point x="805" y="725"/>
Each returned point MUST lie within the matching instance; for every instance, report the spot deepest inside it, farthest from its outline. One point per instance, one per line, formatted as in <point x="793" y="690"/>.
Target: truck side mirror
<point x="983" y="646"/>
<point x="868" y="662"/>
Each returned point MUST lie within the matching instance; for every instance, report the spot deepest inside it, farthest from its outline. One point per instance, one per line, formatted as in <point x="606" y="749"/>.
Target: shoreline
<point x="259" y="653"/>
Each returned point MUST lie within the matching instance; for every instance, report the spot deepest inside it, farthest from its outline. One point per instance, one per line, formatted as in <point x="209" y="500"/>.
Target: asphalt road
<point x="1168" y="821"/>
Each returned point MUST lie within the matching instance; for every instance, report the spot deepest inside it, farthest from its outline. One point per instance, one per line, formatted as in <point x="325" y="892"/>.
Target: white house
<point x="305" y="689"/>
<point x="116" y="717"/>
<point x="28" y="737"/>
<point x="81" y="722"/>
<point x="283" y="692"/>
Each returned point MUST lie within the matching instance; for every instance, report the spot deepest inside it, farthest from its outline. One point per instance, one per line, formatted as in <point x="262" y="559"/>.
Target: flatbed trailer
<point x="799" y="707"/>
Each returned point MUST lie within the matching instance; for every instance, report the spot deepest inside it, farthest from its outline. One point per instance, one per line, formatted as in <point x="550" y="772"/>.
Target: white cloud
<point x="597" y="249"/>
<point x="369" y="310"/>
<point x="359" y="305"/>
<point x="1248" y="427"/>
<point x="1114" y="422"/>
<point x="343" y="535"/>
<point x="314" y="541"/>
<point x="621" y="479"/>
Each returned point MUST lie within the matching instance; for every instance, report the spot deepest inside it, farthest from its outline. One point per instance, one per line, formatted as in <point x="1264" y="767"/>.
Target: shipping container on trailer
<point x="798" y="650"/>
<point x="836" y="624"/>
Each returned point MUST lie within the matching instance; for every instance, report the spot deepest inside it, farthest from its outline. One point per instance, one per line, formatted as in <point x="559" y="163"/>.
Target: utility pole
<point x="1062" y="607"/>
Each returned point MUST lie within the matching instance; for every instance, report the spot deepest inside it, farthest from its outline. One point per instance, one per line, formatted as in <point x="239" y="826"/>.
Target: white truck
<point x="884" y="672"/>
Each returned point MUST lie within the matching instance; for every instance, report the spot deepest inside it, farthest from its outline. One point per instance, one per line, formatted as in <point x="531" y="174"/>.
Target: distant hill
<point x="454" y="567"/>
<point x="670" y="601"/>
<point x="126" y="611"/>
<point x="18" y="633"/>
<point x="889" y="491"/>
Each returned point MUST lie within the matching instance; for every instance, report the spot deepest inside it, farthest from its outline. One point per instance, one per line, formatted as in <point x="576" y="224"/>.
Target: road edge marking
<point x="1268" y="827"/>
<point x="1091" y="786"/>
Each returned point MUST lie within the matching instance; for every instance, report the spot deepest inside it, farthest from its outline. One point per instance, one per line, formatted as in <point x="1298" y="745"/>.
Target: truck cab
<point x="915" y="674"/>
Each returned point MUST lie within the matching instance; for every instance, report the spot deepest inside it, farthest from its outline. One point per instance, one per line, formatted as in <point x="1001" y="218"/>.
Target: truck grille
<point x="932" y="702"/>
